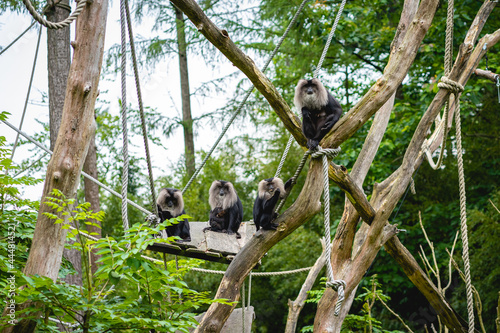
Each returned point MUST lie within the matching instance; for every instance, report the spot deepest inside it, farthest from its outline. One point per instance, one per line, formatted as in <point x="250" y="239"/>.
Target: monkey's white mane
<point x="215" y="200"/>
<point x="162" y="198"/>
<point x="278" y="184"/>
<point x="315" y="102"/>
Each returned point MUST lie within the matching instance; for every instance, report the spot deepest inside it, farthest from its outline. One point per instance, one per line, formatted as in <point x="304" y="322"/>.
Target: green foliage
<point x="127" y="292"/>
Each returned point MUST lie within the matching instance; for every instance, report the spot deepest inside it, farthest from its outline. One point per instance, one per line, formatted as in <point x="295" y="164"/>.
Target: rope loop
<point x="329" y="152"/>
<point x="55" y="25"/>
<point x="450" y="85"/>
<point x="339" y="286"/>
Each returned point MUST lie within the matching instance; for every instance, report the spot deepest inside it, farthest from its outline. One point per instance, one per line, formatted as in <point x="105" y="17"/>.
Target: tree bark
<point x="70" y="150"/>
<point x="187" y="120"/>
<point x="58" y="62"/>
<point x="92" y="197"/>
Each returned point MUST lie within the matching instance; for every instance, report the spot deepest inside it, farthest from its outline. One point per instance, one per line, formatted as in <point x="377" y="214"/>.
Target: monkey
<point x="270" y="190"/>
<point x="226" y="211"/>
<point x="216" y="220"/>
<point x="170" y="204"/>
<point x="320" y="110"/>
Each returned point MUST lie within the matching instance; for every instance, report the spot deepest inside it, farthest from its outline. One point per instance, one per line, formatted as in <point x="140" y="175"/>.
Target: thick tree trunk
<point x="187" y="120"/>
<point x="92" y="197"/>
<point x="70" y="150"/>
<point x="58" y="62"/>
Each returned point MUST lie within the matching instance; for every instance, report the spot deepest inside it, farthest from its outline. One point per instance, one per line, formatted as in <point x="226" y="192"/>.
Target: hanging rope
<point x="141" y="109"/>
<point x="242" y="103"/>
<point x="17" y="38"/>
<point x="448" y="55"/>
<point x="463" y="219"/>
<point x="338" y="285"/>
<point x="329" y="40"/>
<point x="55" y="25"/>
<point x="28" y="93"/>
<point x="243" y="307"/>
<point x="124" y="115"/>
<point x="283" y="157"/>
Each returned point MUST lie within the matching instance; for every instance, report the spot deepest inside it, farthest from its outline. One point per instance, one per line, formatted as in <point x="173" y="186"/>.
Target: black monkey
<point x="226" y="209"/>
<point x="170" y="204"/>
<point x="270" y="190"/>
<point x="320" y="110"/>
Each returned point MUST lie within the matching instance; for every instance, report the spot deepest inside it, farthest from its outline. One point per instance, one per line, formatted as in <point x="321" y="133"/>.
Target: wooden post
<point x="76" y="131"/>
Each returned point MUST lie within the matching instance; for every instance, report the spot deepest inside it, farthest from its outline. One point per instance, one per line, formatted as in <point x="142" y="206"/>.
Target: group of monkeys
<point x="320" y="111"/>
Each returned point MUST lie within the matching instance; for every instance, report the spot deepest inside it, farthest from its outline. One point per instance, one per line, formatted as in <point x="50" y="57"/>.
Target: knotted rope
<point x="338" y="285"/>
<point x="456" y="88"/>
<point x="55" y="25"/>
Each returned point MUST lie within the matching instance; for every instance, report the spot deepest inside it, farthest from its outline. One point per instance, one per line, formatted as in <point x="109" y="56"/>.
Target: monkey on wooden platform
<point x="320" y="110"/>
<point x="226" y="211"/>
<point x="170" y="204"/>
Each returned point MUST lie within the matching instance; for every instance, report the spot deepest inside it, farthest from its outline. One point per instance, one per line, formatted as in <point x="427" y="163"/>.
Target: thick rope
<point x="338" y="285"/>
<point x="283" y="157"/>
<point x="242" y="103"/>
<point x="463" y="220"/>
<point x="107" y="188"/>
<point x="124" y="114"/>
<point x="55" y="25"/>
<point x="293" y="180"/>
<point x="28" y="93"/>
<point x="141" y="109"/>
<point x="330" y="36"/>
<point x="212" y="271"/>
<point x="17" y="38"/>
<point x="448" y="55"/>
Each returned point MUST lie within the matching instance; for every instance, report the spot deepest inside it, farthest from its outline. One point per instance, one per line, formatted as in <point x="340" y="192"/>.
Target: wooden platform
<point x="208" y="245"/>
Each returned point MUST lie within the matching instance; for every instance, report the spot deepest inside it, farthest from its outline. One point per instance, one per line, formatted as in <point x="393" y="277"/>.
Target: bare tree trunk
<point x="92" y="197"/>
<point x="70" y="150"/>
<point x="187" y="121"/>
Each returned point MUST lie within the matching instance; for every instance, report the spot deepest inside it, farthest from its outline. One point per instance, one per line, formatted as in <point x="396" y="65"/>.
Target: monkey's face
<point x="270" y="188"/>
<point x="309" y="92"/>
<point x="223" y="190"/>
<point x="170" y="203"/>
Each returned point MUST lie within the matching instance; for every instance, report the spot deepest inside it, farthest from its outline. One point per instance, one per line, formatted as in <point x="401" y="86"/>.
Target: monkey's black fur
<point x="320" y="110"/>
<point x="170" y="204"/>
<point x="226" y="211"/>
<point x="270" y="190"/>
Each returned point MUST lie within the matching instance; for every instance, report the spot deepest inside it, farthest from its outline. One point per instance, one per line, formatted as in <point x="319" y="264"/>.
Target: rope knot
<point x="339" y="286"/>
<point x="450" y="85"/>
<point x="328" y="152"/>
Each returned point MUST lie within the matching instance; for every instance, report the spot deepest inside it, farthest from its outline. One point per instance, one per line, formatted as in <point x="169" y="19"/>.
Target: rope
<point x="283" y="157"/>
<point x="463" y="220"/>
<point x="338" y="285"/>
<point x="141" y="109"/>
<point x="18" y="37"/>
<point x="124" y="115"/>
<point x="242" y="103"/>
<point x="293" y="180"/>
<point x="30" y="166"/>
<point x="249" y="287"/>
<point x="212" y="271"/>
<point x="107" y="188"/>
<point x="330" y="36"/>
<point x="28" y="93"/>
<point x="55" y="25"/>
<point x="448" y="55"/>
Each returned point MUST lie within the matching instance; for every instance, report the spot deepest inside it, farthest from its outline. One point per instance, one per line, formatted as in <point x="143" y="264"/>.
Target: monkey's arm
<point x="271" y="203"/>
<point x="235" y="216"/>
<point x="257" y="211"/>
